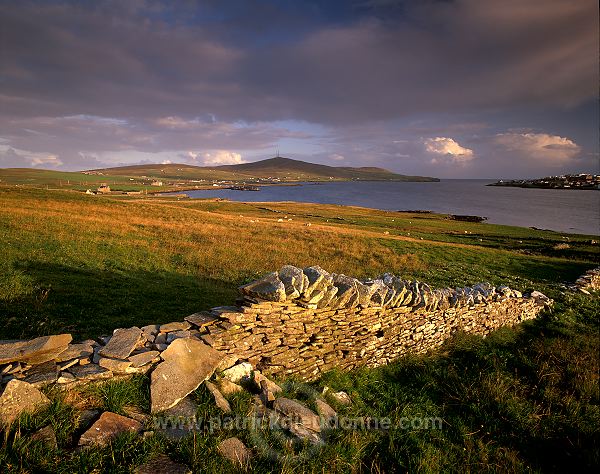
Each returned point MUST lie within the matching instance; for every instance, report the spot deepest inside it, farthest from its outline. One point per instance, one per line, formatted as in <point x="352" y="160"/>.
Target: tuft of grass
<point x="121" y="396"/>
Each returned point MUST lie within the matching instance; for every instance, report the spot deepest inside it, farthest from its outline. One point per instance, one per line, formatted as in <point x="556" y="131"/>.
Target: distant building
<point x="104" y="188"/>
<point x="156" y="182"/>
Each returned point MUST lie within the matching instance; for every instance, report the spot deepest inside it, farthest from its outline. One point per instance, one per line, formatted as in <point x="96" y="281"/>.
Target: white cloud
<point x="336" y="157"/>
<point x="551" y="149"/>
<point x="219" y="157"/>
<point x="13" y="157"/>
<point x="449" y="149"/>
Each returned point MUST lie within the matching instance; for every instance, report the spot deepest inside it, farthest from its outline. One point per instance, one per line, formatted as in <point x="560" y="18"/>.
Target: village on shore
<point x="567" y="181"/>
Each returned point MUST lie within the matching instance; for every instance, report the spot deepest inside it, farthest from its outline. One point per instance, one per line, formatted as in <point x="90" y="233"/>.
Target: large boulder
<point x="19" y="397"/>
<point x="187" y="363"/>
<point x="35" y="351"/>
<point x="269" y="288"/>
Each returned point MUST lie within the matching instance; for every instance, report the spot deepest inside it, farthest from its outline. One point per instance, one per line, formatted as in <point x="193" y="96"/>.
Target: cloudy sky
<point x="448" y="88"/>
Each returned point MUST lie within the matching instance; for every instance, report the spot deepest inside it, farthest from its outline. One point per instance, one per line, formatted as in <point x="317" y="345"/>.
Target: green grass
<point x="85" y="265"/>
<point x="524" y="399"/>
<point x="521" y="400"/>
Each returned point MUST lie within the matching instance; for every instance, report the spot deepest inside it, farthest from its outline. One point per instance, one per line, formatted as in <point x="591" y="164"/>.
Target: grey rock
<point x="143" y="358"/>
<point x="186" y="409"/>
<point x="68" y="363"/>
<point x="187" y="363"/>
<point x="42" y="374"/>
<point x="318" y="280"/>
<point x="178" y="335"/>
<point x="328" y="296"/>
<point x="116" y="366"/>
<point x="238" y="372"/>
<point x="47" y="436"/>
<point x="75" y="351"/>
<point x="122" y="343"/>
<point x="234" y="450"/>
<point x="201" y="319"/>
<point x="19" y="397"/>
<point x="90" y="372"/>
<point x="35" y="351"/>
<point x="176" y="326"/>
<point x="293" y="280"/>
<point x="226" y="387"/>
<point x="347" y="291"/>
<point x="107" y="427"/>
<point x="87" y="417"/>
<point x="268" y="288"/>
<point x="325" y="411"/>
<point x="365" y="292"/>
<point x="298" y="413"/>
<point x="220" y="400"/>
<point x="65" y="378"/>
<point x="379" y="291"/>
<point x="302" y="432"/>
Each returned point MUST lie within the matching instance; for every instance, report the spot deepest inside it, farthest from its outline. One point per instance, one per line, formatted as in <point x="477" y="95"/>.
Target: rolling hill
<point x="278" y="167"/>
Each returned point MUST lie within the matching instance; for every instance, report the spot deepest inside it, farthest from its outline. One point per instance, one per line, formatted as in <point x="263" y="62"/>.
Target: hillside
<point x="504" y="399"/>
<point x="279" y="167"/>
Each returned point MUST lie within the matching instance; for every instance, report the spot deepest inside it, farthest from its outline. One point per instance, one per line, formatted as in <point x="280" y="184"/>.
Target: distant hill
<point x="278" y="167"/>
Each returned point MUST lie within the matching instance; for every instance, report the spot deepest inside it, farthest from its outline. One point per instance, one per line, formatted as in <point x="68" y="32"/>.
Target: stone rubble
<point x="589" y="281"/>
<point x="35" y="351"/>
<point x="294" y="322"/>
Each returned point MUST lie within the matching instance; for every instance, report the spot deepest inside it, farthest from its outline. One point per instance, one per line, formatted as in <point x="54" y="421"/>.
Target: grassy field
<point x="524" y="399"/>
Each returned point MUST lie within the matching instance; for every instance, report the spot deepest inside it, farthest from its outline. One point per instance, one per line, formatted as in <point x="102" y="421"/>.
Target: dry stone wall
<point x="298" y="322"/>
<point x="589" y="281"/>
<point x="282" y="326"/>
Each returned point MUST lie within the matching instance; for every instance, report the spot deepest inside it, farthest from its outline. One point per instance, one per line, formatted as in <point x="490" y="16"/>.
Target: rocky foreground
<point x="180" y="358"/>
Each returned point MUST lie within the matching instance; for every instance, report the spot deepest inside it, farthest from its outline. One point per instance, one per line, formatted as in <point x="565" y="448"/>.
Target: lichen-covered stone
<point x="19" y="397"/>
<point x="122" y="343"/>
<point x="293" y="280"/>
<point x="234" y="450"/>
<point x="268" y="288"/>
<point x="187" y="363"/>
<point x="107" y="427"/>
<point x="35" y="351"/>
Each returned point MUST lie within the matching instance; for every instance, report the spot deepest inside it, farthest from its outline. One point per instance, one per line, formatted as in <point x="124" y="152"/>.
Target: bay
<point x="560" y="210"/>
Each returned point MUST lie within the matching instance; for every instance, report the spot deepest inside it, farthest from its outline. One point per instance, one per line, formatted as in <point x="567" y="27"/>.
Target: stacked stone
<point x="291" y="322"/>
<point x="315" y="288"/>
<point x="589" y="281"/>
<point x="55" y="359"/>
<point x="305" y="322"/>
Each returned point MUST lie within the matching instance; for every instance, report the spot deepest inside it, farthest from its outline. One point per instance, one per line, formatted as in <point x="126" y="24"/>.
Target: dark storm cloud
<point x="117" y="60"/>
<point x="78" y="79"/>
